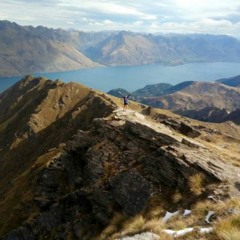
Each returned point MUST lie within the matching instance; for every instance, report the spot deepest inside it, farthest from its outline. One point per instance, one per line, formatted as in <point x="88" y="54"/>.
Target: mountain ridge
<point x="90" y="159"/>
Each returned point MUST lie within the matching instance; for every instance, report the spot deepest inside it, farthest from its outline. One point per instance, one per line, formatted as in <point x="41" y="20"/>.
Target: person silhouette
<point x="125" y="101"/>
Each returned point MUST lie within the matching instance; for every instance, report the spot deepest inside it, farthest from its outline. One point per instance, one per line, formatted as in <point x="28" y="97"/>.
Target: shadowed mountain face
<point x="34" y="107"/>
<point x="71" y="159"/>
<point x="233" y="81"/>
<point x="26" y="50"/>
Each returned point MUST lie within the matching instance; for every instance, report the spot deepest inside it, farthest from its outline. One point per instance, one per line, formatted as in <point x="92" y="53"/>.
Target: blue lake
<point x="134" y="77"/>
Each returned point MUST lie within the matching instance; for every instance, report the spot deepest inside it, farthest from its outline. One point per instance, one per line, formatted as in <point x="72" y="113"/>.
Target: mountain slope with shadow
<point x="72" y="161"/>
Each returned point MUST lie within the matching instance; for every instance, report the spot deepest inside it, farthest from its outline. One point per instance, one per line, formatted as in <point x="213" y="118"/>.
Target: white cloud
<point x="197" y="9"/>
<point x="203" y="16"/>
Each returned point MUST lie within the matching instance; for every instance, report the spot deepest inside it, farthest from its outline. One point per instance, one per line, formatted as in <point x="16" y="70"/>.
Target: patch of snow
<point x="142" y="236"/>
<point x="169" y="231"/>
<point x="184" y="231"/>
<point x="187" y="212"/>
<point x="205" y="230"/>
<point x="210" y="213"/>
<point x="168" y="215"/>
<point x="179" y="232"/>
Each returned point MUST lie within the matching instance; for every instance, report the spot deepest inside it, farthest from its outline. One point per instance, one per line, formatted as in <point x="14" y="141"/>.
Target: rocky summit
<point x="76" y="166"/>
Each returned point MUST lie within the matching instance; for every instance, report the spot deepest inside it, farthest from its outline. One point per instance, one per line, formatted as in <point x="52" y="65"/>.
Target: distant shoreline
<point x="134" y="77"/>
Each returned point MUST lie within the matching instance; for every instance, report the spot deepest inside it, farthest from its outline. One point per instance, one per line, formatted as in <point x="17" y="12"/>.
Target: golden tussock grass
<point x="194" y="235"/>
<point x="154" y="225"/>
<point x="107" y="232"/>
<point x="154" y="208"/>
<point x="201" y="208"/>
<point x="177" y="197"/>
<point x="133" y="225"/>
<point x="228" y="228"/>
<point x="118" y="219"/>
<point x="154" y="212"/>
<point x="196" y="183"/>
<point x="220" y="208"/>
<point x="176" y="222"/>
<point x="114" y="226"/>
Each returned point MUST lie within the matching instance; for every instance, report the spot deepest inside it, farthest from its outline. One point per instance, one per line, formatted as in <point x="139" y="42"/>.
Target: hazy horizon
<point x="168" y="16"/>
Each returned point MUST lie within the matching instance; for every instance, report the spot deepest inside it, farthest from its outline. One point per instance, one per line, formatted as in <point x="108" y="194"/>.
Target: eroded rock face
<point x="182" y="128"/>
<point x="131" y="191"/>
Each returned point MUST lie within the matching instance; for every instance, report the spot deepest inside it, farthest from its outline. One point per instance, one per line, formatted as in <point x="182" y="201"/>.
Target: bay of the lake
<point x="134" y="77"/>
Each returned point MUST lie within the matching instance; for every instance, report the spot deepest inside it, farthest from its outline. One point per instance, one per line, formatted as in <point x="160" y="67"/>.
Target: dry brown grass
<point x="154" y="225"/>
<point x="114" y="226"/>
<point x="155" y="208"/>
<point x="154" y="212"/>
<point x="107" y="232"/>
<point x="228" y="228"/>
<point x="198" y="236"/>
<point x="201" y="208"/>
<point x="17" y="206"/>
<point x="196" y="183"/>
<point x="221" y="208"/>
<point x="176" y="222"/>
<point x="133" y="225"/>
<point x="177" y="197"/>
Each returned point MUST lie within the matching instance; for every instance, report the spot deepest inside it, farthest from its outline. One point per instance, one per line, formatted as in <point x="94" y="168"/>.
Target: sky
<point x="153" y="16"/>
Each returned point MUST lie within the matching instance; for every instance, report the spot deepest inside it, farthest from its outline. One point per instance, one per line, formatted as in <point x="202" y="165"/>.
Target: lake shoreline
<point x="135" y="77"/>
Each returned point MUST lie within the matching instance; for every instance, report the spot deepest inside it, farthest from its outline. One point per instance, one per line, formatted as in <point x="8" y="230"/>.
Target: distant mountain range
<point x="205" y="101"/>
<point x="26" y="50"/>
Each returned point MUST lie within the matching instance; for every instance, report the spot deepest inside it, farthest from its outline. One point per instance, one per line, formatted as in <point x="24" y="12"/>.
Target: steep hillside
<point x="126" y="48"/>
<point x="74" y="165"/>
<point x="26" y="50"/>
<point x="152" y="90"/>
<point x="200" y="47"/>
<point x="233" y="81"/>
<point x="34" y="107"/>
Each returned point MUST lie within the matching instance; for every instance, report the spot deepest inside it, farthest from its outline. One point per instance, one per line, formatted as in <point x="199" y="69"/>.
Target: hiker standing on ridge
<point x="125" y="101"/>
